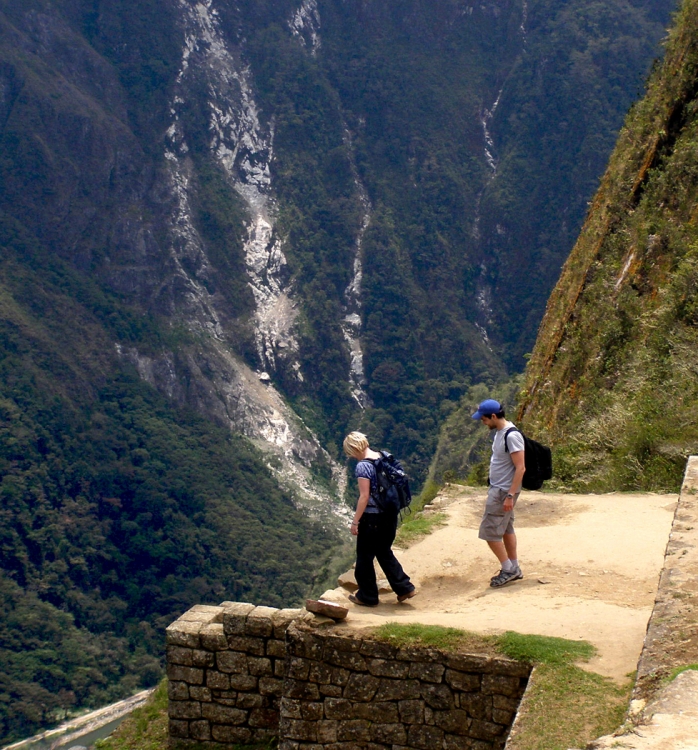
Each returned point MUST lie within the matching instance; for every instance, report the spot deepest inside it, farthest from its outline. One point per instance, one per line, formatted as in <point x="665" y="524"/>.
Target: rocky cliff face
<point x="612" y="380"/>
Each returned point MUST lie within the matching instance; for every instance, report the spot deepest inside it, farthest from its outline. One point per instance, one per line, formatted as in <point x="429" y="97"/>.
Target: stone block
<point x="502" y="685"/>
<point x="213" y="638"/>
<point x="271" y="686"/>
<point x="260" y="666"/>
<point x="354" y="730"/>
<point x="177" y="691"/>
<point x="411" y="712"/>
<point x="425" y="738"/>
<point x="232" y="702"/>
<point x="397" y="690"/>
<point x="275" y="648"/>
<point x="511" y="668"/>
<point x="250" y="700"/>
<point x="235" y="613"/>
<point x="455" y="721"/>
<point x="311" y="710"/>
<point x="184" y="710"/>
<point x="190" y="675"/>
<point x="264" y="718"/>
<point x="346" y="659"/>
<point x="469" y="663"/>
<point x="338" y="709"/>
<point x="456" y="742"/>
<point x="479" y="706"/>
<point x="306" y="691"/>
<point x="340" y="676"/>
<point x="259" y="622"/>
<point x="304" y="644"/>
<point x="295" y="729"/>
<point x="179" y="729"/>
<point x="418" y="654"/>
<point x="429" y="716"/>
<point x="181" y="655"/>
<point x="247" y="644"/>
<point x="320" y="673"/>
<point x="438" y="697"/>
<point x="231" y="662"/>
<point x="203" y="613"/>
<point x="202" y="658"/>
<point x="231" y="735"/>
<point x="486" y="730"/>
<point x="200" y="730"/>
<point x="261" y="735"/>
<point x="217" y="680"/>
<point x="388" y="734"/>
<point x="220" y="714"/>
<point x="463" y="681"/>
<point x="243" y="682"/>
<point x="361" y="687"/>
<point x="183" y="634"/>
<point x="327" y="731"/>
<point x="341" y="643"/>
<point x="282" y="618"/>
<point x="378" y="650"/>
<point x="298" y="669"/>
<point x="385" y="668"/>
<point x="280" y="668"/>
<point x="290" y="709"/>
<point x="331" y="691"/>
<point x="427" y="672"/>
<point x="202" y="694"/>
<point x="505" y="703"/>
<point x="502" y="716"/>
<point x="385" y="712"/>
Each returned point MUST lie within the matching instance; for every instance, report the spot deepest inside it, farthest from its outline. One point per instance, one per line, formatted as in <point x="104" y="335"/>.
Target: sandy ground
<point x="591" y="565"/>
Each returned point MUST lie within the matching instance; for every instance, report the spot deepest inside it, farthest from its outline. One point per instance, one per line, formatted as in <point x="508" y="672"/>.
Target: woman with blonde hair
<point x="374" y="530"/>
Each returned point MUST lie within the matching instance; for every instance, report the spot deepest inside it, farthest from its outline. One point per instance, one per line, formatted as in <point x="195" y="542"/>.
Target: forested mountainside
<point x="613" y="381"/>
<point x="232" y="230"/>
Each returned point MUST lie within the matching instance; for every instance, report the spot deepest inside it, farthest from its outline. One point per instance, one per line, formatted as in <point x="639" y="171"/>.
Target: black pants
<point x="376" y="535"/>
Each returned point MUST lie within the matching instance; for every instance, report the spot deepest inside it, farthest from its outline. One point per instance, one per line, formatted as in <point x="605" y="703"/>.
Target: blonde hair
<point x="355" y="443"/>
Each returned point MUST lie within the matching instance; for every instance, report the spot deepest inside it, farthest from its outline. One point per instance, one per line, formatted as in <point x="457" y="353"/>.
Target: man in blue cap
<point x="507" y="468"/>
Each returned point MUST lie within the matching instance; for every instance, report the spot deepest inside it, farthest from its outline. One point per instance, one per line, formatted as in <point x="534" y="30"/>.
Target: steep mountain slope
<point x="612" y="382"/>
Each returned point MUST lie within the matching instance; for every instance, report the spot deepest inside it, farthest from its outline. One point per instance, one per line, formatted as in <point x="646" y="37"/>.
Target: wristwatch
<point x="510" y="495"/>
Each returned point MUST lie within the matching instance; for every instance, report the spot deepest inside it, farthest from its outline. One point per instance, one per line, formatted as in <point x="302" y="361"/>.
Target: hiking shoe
<point x="505" y="577"/>
<point x="517" y="571"/>
<point x="408" y="595"/>
<point x="355" y="600"/>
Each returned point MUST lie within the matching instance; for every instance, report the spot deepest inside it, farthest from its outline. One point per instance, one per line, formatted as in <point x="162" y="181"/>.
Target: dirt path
<point x="591" y="565"/>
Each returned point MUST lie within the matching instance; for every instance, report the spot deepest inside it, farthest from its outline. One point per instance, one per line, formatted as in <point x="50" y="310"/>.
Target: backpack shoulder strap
<point x="506" y="434"/>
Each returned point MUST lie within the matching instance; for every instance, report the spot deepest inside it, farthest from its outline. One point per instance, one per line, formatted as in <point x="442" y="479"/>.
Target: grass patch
<point x="144" y="729"/>
<point x="566" y="706"/>
<point x="569" y="707"/>
<point x="677" y="671"/>
<point x="417" y="526"/>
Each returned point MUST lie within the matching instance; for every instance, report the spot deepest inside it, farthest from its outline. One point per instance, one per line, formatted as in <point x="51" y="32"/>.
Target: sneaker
<point x="505" y="577"/>
<point x="408" y="595"/>
<point x="355" y="600"/>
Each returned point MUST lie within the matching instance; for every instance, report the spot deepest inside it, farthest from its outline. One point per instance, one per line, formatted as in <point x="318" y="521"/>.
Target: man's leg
<point x="509" y="541"/>
<point x="500" y="550"/>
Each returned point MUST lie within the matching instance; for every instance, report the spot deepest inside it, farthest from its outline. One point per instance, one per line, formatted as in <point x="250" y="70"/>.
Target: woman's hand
<point x="355" y="528"/>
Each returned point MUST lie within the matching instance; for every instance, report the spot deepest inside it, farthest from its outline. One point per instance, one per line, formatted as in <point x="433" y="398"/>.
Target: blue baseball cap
<point x="487" y="407"/>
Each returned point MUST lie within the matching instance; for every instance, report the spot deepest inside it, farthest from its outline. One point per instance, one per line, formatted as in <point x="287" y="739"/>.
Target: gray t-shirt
<point x="502" y="468"/>
<point x="366" y="470"/>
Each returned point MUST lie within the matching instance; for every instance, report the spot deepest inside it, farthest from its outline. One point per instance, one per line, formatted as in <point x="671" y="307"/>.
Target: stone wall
<point x="241" y="674"/>
<point x="345" y="692"/>
<point x="226" y="668"/>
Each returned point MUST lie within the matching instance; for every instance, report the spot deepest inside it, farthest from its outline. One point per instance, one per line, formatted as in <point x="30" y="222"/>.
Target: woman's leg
<point x="364" y="572"/>
<point x="397" y="578"/>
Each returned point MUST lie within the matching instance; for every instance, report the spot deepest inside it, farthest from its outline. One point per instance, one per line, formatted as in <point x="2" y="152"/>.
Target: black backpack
<point x="393" y="485"/>
<point x="538" y="459"/>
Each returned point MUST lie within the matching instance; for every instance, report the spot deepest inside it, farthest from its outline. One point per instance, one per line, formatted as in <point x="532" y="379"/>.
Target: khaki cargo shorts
<point x="495" y="522"/>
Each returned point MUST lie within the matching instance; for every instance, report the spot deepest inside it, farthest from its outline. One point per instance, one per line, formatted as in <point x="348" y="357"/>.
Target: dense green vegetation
<point x="117" y="510"/>
<point x="612" y="380"/>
